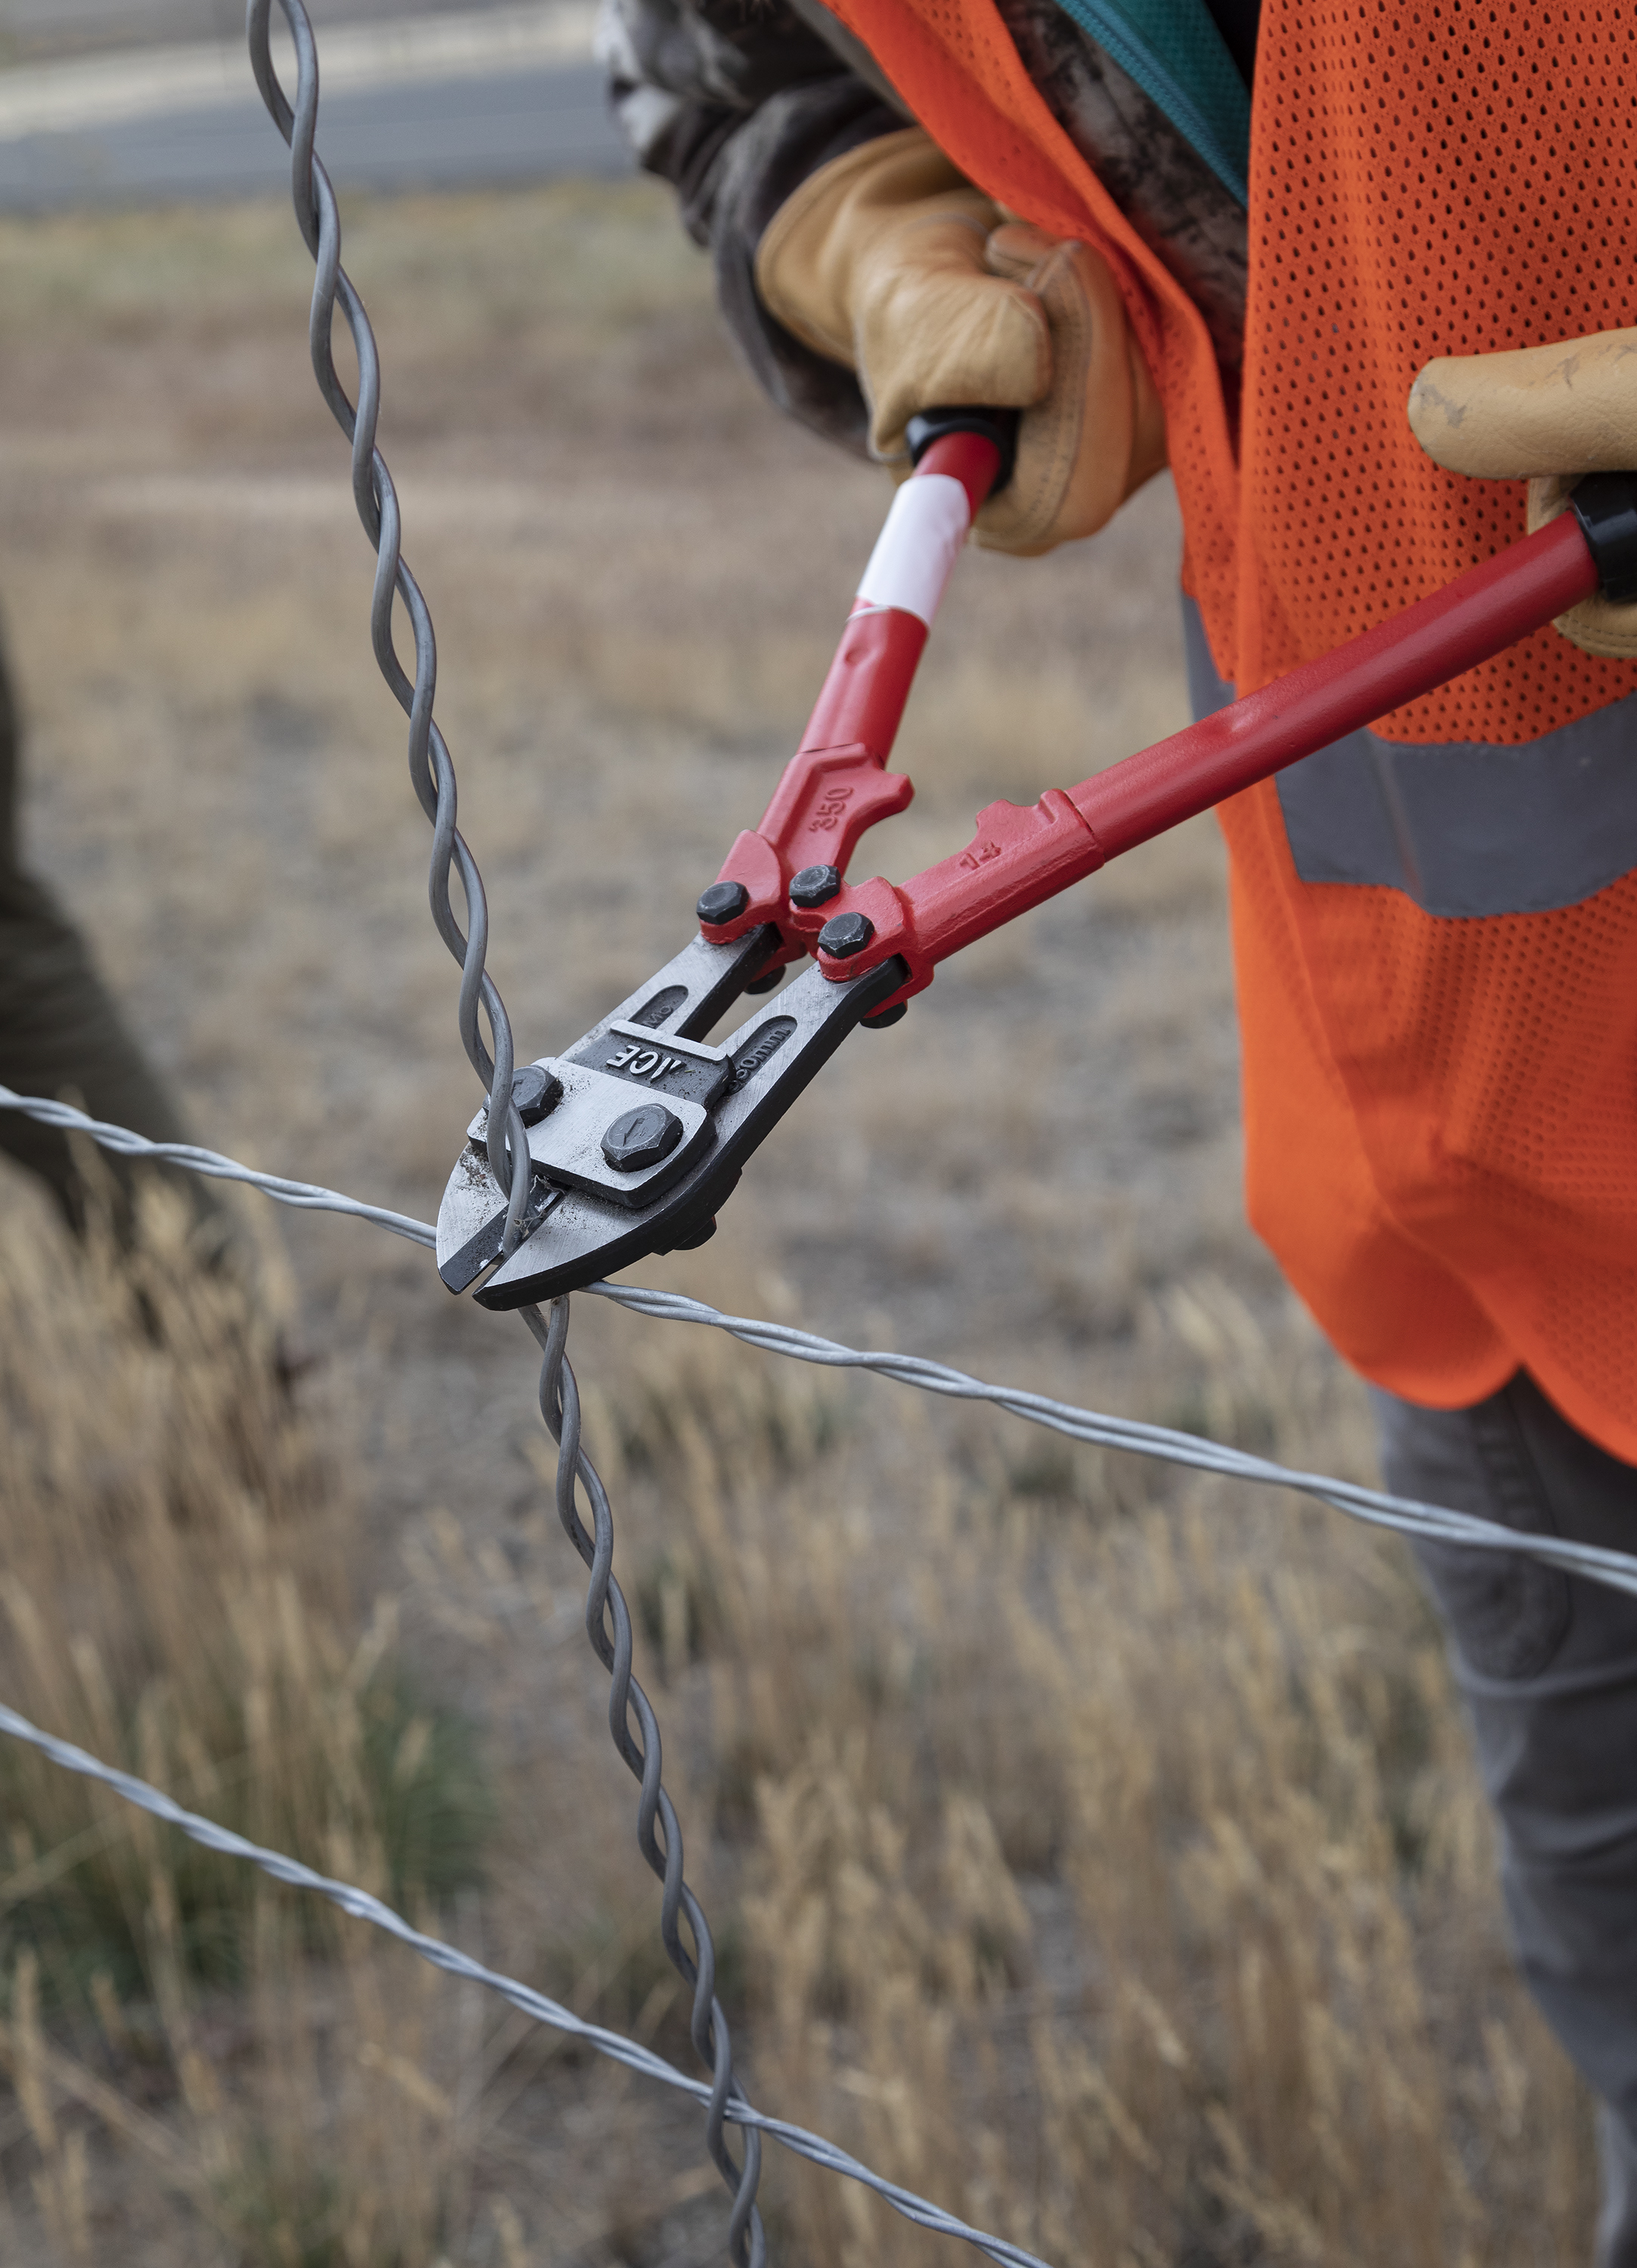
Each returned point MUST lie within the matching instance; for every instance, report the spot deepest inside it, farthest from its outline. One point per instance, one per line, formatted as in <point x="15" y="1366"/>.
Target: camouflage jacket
<point x="736" y="102"/>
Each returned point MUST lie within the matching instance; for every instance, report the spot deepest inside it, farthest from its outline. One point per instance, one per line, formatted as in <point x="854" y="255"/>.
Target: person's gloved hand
<point x="1546" y="415"/>
<point x="887" y="260"/>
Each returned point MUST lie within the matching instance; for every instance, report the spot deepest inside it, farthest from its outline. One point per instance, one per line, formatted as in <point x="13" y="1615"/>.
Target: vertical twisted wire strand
<point x="431" y="768"/>
<point x="635" y="1730"/>
<point x="431" y="772"/>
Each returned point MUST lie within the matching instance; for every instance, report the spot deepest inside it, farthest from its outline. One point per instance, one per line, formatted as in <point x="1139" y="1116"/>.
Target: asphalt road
<point x="508" y="126"/>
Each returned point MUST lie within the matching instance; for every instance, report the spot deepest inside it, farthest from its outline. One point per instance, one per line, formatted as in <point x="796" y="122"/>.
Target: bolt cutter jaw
<point x="685" y="997"/>
<point x="651" y="1128"/>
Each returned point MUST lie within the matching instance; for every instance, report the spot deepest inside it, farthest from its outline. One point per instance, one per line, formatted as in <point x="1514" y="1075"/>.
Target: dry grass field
<point x="1093" y="1847"/>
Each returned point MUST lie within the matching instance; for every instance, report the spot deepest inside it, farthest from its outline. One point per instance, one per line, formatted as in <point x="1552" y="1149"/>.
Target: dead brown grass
<point x="175" y="1600"/>
<point x="1116" y="1867"/>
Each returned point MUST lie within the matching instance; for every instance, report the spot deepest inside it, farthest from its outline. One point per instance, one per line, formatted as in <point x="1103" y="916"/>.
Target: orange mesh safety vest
<point x="1441" y="1112"/>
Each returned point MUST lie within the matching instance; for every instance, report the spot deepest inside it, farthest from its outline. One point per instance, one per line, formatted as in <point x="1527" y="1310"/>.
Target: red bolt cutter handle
<point x="835" y="786"/>
<point x="1023" y="854"/>
<point x="878" y="944"/>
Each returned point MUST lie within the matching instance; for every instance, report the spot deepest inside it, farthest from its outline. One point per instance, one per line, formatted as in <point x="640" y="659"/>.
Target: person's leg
<point x="1547" y="1664"/>
<point x="60" y="1032"/>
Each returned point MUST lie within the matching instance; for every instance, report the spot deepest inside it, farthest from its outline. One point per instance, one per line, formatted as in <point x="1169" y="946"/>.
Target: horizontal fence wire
<point x="304" y="1196"/>
<point x="362" y="1907"/>
<point x="1421" y="1522"/>
<point x="1426" y="1523"/>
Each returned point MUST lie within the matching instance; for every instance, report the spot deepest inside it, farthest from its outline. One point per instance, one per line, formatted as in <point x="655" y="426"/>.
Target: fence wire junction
<point x="1420" y="1522"/>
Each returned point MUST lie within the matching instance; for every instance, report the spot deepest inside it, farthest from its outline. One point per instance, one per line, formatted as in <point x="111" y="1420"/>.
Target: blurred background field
<point x="1093" y="1847"/>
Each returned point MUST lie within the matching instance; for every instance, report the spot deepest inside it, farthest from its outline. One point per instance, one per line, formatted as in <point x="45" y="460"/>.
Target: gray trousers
<point x="1548" y="1665"/>
<point x="60" y="1035"/>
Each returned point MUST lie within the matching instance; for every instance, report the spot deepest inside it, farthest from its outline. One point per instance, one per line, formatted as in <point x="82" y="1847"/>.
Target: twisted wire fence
<point x="1407" y="1516"/>
<point x="580" y="1493"/>
<point x="632" y="1723"/>
<point x="431" y="768"/>
<point x="611" y="1631"/>
<point x="362" y="1907"/>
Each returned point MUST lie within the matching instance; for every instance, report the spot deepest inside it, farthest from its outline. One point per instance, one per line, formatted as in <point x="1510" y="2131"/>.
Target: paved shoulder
<point x="508" y="94"/>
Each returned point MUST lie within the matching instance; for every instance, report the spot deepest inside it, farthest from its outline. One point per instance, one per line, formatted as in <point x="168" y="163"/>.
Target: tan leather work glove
<point x="1546" y="415"/>
<point x="887" y="260"/>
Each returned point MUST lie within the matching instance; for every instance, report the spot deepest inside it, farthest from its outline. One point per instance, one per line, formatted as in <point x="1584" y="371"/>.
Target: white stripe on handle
<point x="917" y="548"/>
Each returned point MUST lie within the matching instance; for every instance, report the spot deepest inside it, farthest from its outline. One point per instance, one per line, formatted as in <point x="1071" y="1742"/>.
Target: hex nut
<point x="845" y="935"/>
<point x="642" y="1137"/>
<point x="722" y="901"/>
<point x="814" y="886"/>
<point x="536" y="1092"/>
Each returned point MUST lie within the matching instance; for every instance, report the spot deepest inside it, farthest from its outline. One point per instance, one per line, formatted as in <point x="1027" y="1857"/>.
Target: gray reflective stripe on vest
<point x="1462" y="828"/>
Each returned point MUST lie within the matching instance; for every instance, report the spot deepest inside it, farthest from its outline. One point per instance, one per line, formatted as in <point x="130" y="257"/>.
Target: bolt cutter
<point x="639" y="1133"/>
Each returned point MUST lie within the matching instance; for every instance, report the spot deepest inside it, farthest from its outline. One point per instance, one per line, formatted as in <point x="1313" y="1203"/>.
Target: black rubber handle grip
<point x="997" y="426"/>
<point x="1605" y="505"/>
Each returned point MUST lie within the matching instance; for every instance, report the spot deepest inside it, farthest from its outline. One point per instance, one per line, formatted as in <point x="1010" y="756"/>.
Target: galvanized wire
<point x="432" y="773"/>
<point x="1427" y="1523"/>
<point x="362" y="1907"/>
<point x="1421" y="1522"/>
<point x="635" y="1731"/>
<point x="431" y="770"/>
<point x="307" y="1197"/>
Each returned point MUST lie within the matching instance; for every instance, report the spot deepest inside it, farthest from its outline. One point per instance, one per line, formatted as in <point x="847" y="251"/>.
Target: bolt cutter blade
<point x="647" y="1129"/>
<point x="686" y="997"/>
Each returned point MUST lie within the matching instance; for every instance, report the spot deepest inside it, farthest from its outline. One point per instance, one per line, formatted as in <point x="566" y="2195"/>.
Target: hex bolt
<point x="536" y="1092"/>
<point x="814" y="886"/>
<point x="722" y="901"/>
<point x="884" y="1017"/>
<point x="642" y="1137"/>
<point x="845" y="935"/>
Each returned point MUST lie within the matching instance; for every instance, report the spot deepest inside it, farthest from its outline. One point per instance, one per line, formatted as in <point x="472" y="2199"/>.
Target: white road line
<point x="96" y="91"/>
